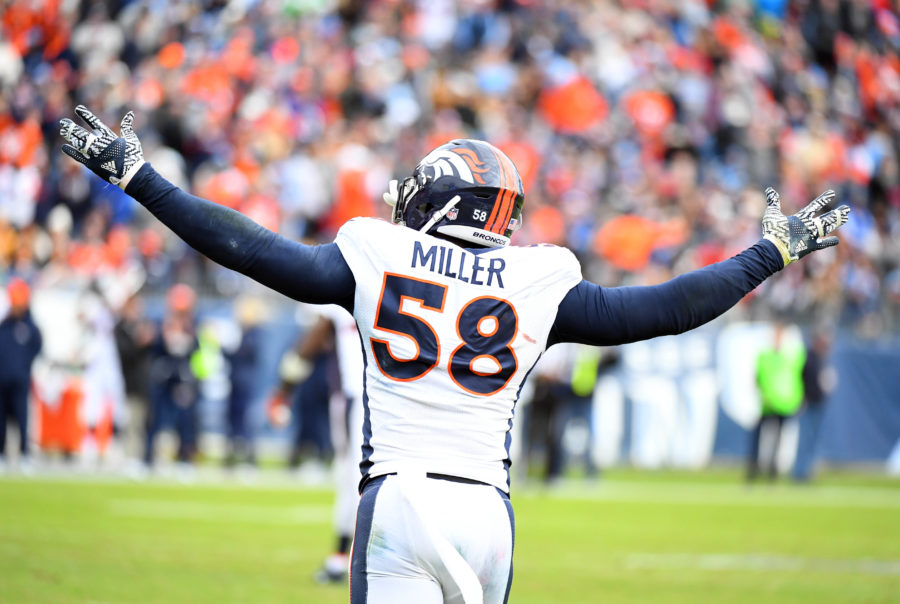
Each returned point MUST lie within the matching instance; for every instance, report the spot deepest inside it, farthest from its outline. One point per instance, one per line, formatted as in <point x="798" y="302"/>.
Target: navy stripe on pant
<point x="512" y="529"/>
<point x="359" y="587"/>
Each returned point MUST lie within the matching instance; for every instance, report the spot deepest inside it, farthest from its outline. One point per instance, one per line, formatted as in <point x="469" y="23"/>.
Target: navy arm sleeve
<point x="317" y="274"/>
<point x="607" y="316"/>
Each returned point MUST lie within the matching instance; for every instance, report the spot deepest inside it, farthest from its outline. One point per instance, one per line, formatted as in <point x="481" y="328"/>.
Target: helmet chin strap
<point x="439" y="215"/>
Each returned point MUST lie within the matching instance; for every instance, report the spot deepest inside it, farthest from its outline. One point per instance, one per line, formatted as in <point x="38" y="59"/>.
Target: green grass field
<point x="630" y="537"/>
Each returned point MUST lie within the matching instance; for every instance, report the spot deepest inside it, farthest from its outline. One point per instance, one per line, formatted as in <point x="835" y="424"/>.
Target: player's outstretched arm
<point x="315" y="274"/>
<point x="590" y="314"/>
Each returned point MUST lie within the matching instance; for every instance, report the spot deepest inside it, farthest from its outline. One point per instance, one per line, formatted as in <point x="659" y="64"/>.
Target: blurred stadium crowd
<point x="644" y="130"/>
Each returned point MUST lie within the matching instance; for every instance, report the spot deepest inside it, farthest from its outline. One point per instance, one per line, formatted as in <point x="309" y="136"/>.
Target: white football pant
<point x="426" y="540"/>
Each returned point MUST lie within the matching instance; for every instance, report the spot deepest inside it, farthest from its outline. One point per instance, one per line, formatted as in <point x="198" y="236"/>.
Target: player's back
<point x="449" y="336"/>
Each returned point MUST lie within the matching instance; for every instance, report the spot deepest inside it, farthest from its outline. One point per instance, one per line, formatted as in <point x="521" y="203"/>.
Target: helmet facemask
<point x="398" y="196"/>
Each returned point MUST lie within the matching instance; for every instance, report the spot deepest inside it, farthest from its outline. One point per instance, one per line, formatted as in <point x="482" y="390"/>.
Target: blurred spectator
<point x="311" y="445"/>
<point x="779" y="375"/>
<point x="546" y="409"/>
<point x="174" y="387"/>
<point x="308" y="375"/>
<point x="558" y="415"/>
<point x="134" y="334"/>
<point x="819" y="378"/>
<point x="20" y="343"/>
<point x="104" y="389"/>
<point x="244" y="373"/>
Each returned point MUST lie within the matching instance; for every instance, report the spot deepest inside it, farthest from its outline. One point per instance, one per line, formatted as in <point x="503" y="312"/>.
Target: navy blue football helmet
<point x="467" y="190"/>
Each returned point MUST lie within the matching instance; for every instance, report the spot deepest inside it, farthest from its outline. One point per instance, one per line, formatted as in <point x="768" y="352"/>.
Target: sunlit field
<point x="627" y="537"/>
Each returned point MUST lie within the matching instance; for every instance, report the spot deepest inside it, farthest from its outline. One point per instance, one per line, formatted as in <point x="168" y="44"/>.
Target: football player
<point x="334" y="327"/>
<point x="451" y="319"/>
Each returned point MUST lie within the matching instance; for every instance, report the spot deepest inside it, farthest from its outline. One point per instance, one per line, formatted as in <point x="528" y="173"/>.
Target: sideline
<point x="730" y="494"/>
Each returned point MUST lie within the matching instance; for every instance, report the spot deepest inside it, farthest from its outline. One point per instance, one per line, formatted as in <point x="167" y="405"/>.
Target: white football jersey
<point x="449" y="335"/>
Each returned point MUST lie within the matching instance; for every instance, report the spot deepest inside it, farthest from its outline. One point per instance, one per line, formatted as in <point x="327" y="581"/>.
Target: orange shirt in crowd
<point x="351" y="199"/>
<point x="19" y="142"/>
<point x="574" y="106"/>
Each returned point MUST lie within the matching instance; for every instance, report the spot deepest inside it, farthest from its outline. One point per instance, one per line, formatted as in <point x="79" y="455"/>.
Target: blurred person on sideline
<point x="819" y="379"/>
<point x="244" y="376"/>
<point x="105" y="406"/>
<point x="20" y="343"/>
<point x="134" y="334"/>
<point x="347" y="439"/>
<point x="308" y="379"/>
<point x="564" y="382"/>
<point x="103" y="258"/>
<point x="174" y="388"/>
<point x="543" y="415"/>
<point x="779" y="376"/>
<point x="452" y="318"/>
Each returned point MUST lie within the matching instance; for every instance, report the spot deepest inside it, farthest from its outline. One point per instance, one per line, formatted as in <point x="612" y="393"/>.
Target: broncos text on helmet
<point x="466" y="189"/>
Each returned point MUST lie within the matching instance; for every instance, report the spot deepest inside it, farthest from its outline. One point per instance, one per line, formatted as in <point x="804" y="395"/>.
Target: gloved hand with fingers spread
<point x="804" y="232"/>
<point x="113" y="158"/>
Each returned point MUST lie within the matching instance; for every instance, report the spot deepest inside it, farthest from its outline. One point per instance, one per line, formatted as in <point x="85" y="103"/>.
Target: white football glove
<point x="113" y="158"/>
<point x="804" y="232"/>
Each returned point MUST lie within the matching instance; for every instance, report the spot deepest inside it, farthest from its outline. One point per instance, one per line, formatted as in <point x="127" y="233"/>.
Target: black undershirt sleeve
<point x="608" y="316"/>
<point x="317" y="274"/>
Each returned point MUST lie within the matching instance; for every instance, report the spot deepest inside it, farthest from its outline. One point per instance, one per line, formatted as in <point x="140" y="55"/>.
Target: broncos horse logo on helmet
<point x="467" y="190"/>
